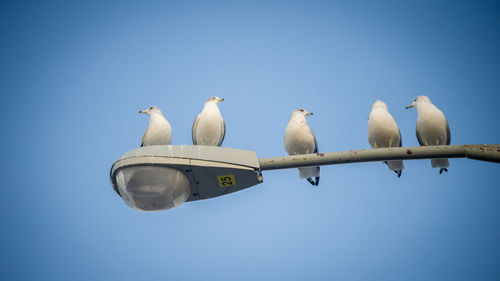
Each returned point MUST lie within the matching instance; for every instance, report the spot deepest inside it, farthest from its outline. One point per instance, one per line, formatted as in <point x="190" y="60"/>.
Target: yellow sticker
<point x="226" y="180"/>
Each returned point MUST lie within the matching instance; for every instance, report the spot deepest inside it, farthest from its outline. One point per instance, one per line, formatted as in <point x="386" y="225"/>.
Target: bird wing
<point x="315" y="147"/>
<point x="400" y="139"/>
<point x="222" y="132"/>
<point x="448" y="136"/>
<point x="143" y="136"/>
<point x="420" y="141"/>
<point x="193" y="129"/>
<point x="314" y="138"/>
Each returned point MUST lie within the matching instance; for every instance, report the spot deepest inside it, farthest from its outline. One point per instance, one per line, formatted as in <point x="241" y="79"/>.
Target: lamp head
<point x="160" y="177"/>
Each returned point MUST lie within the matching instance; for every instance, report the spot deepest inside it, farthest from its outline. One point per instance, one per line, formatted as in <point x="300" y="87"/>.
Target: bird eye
<point x="301" y="110"/>
<point x="151" y="108"/>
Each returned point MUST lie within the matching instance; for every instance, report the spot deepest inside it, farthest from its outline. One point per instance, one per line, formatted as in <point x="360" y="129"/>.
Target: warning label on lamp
<point x="226" y="180"/>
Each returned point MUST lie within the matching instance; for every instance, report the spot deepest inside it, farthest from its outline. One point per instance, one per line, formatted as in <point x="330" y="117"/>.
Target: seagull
<point x="384" y="132"/>
<point x="300" y="139"/>
<point x="209" y="128"/>
<point x="432" y="128"/>
<point x="159" y="130"/>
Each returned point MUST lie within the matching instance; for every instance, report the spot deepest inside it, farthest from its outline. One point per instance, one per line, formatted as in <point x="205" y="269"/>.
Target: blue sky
<point x="74" y="76"/>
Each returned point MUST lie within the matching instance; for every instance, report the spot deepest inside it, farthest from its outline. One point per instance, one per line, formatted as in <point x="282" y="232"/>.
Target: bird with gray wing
<point x="384" y="132"/>
<point x="209" y="128"/>
<point x="159" y="130"/>
<point x="300" y="139"/>
<point x="432" y="128"/>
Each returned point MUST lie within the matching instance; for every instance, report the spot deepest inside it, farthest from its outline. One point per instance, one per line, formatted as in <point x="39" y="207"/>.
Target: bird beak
<point x="411" y="105"/>
<point x="219" y="100"/>
<point x="142" y="111"/>
<point x="310" y="113"/>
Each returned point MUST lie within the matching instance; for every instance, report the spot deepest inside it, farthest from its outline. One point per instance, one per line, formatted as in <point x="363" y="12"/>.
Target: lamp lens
<point x="152" y="188"/>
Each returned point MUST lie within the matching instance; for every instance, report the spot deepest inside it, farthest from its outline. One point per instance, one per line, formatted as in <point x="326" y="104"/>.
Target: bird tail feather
<point x="395" y="165"/>
<point x="308" y="172"/>
<point x="440" y="163"/>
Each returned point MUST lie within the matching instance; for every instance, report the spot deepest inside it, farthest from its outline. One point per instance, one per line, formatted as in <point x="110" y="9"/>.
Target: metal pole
<point x="483" y="152"/>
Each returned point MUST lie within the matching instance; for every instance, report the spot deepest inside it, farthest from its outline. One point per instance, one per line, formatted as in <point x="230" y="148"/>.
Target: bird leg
<point x="443" y="169"/>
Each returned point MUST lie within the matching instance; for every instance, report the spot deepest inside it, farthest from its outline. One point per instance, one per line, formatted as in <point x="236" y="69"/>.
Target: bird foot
<point x="443" y="169"/>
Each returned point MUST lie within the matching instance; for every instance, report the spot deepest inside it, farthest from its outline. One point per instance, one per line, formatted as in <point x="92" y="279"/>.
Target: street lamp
<point x="161" y="177"/>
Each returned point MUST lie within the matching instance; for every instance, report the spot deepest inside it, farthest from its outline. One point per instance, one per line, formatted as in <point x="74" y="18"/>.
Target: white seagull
<point x="384" y="132"/>
<point x="432" y="128"/>
<point x="159" y="130"/>
<point x="300" y="139"/>
<point x="209" y="128"/>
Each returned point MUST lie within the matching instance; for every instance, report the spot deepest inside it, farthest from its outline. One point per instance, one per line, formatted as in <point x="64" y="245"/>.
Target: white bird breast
<point x="158" y="132"/>
<point x="382" y="129"/>
<point x="299" y="141"/>
<point x="431" y="125"/>
<point x="209" y="127"/>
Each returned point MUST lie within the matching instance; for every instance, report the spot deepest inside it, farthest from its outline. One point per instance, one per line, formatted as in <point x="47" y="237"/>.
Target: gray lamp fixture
<point x="161" y="177"/>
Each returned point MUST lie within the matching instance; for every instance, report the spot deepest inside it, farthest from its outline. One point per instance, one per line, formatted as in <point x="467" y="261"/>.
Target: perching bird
<point x="159" y="130"/>
<point x="209" y="128"/>
<point x="384" y="132"/>
<point x="300" y="139"/>
<point x="432" y="128"/>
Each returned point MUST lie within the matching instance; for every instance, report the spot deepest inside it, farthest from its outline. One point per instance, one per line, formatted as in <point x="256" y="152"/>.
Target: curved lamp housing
<point x="160" y="177"/>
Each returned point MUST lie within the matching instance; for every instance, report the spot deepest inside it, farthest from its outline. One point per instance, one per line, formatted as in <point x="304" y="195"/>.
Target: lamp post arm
<point x="483" y="152"/>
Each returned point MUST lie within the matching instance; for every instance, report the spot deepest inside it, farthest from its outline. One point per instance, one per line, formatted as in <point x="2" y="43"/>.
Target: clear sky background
<point x="73" y="77"/>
